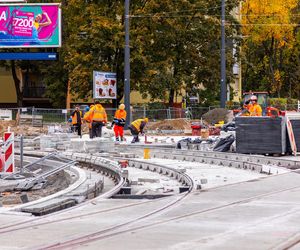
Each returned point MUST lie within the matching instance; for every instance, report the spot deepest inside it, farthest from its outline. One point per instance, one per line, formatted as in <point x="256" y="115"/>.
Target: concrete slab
<point x="246" y="211"/>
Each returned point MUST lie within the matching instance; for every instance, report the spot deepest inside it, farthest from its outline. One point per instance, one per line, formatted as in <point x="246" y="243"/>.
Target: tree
<point x="271" y="37"/>
<point x="178" y="47"/>
<point x="173" y="45"/>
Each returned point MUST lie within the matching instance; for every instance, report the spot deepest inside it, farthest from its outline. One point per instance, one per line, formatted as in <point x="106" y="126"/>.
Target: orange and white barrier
<point x="9" y="160"/>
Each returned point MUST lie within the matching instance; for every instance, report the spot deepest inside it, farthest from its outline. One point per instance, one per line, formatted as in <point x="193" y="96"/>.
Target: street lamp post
<point x="223" y="57"/>
<point x="127" y="65"/>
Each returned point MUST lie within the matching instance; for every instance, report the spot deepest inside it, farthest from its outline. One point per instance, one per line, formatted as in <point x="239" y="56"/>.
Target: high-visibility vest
<point x="120" y="114"/>
<point x="98" y="113"/>
<point x="137" y="124"/>
<point x="74" y="117"/>
<point x="120" y="118"/>
<point x="87" y="117"/>
<point x="255" y="110"/>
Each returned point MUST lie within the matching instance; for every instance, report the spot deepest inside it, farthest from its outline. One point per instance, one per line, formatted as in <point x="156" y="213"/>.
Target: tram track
<point x="128" y="226"/>
<point x="120" y="229"/>
<point x="29" y="223"/>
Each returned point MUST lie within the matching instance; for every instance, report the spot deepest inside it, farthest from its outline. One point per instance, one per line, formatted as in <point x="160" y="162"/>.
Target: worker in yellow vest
<point x="137" y="127"/>
<point x="98" y="118"/>
<point x="254" y="108"/>
<point x="76" y="120"/>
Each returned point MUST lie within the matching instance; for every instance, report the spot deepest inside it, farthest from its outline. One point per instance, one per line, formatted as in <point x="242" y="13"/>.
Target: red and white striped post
<point x="9" y="158"/>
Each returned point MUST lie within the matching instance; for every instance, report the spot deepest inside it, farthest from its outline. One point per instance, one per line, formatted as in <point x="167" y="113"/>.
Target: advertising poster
<point x="29" y="25"/>
<point x="105" y="85"/>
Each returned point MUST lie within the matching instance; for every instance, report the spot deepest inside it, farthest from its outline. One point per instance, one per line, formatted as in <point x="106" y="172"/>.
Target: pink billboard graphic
<point x="30" y="25"/>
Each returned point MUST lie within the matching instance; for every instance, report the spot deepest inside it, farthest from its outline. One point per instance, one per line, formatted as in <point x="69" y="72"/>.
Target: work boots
<point x="135" y="139"/>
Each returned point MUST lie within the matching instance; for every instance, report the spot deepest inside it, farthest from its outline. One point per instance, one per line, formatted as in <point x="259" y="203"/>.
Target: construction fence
<point x="41" y="116"/>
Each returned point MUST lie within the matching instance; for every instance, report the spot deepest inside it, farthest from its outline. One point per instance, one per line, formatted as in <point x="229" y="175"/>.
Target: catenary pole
<point x="127" y="65"/>
<point x="223" y="57"/>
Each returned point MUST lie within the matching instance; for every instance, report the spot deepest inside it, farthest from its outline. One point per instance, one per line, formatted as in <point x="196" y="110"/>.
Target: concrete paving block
<point x="203" y="181"/>
<point x="125" y="190"/>
<point x="24" y="198"/>
<point x="150" y="180"/>
<point x="125" y="173"/>
<point x="49" y="206"/>
<point x="184" y="189"/>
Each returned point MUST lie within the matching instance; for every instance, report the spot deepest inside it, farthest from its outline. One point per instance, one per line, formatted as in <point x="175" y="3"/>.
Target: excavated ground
<point x="54" y="184"/>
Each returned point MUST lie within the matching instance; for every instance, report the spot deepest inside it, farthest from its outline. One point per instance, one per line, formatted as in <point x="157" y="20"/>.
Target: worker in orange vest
<point x="119" y="122"/>
<point x="98" y="118"/>
<point x="254" y="108"/>
<point x="137" y="127"/>
<point x="87" y="117"/>
<point x="76" y="119"/>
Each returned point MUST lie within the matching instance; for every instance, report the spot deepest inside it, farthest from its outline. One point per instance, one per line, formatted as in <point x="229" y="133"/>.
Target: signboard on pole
<point x="105" y="85"/>
<point x="30" y="25"/>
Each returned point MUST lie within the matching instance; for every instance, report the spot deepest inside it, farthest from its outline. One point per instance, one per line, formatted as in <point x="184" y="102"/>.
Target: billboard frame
<point x="37" y="46"/>
<point x="108" y="97"/>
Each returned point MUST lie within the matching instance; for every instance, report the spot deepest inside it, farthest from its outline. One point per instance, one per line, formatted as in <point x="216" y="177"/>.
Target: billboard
<point x="105" y="85"/>
<point x="30" y="25"/>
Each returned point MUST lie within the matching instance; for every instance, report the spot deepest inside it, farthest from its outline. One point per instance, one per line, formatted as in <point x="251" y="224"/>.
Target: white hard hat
<point x="253" y="98"/>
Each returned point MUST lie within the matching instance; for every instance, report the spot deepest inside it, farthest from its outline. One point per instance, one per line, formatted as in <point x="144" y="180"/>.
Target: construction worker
<point x="254" y="108"/>
<point x="137" y="127"/>
<point x="119" y="122"/>
<point x="76" y="120"/>
<point x="87" y="117"/>
<point x="98" y="118"/>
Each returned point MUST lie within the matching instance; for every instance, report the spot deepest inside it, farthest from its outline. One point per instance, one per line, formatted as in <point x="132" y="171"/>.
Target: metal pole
<point x="127" y="65"/>
<point x="21" y="154"/>
<point x="223" y="58"/>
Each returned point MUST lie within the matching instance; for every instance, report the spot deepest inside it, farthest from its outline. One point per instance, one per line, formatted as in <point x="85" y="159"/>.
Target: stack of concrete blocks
<point x="29" y="144"/>
<point x="92" y="145"/>
<point x="56" y="141"/>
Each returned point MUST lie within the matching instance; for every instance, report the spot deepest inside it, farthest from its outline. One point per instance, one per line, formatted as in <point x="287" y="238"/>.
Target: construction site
<point x="219" y="182"/>
<point x="133" y="125"/>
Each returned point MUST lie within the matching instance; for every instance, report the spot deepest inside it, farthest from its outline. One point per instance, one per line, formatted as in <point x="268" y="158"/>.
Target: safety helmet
<point x="146" y="119"/>
<point x="122" y="106"/>
<point x="87" y="109"/>
<point x="253" y="98"/>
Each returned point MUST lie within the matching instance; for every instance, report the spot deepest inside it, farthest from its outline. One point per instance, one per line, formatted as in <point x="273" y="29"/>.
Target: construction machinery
<point x="262" y="100"/>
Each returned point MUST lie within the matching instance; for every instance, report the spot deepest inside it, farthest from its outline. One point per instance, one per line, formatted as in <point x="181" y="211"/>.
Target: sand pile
<point x="18" y="130"/>
<point x="174" y="124"/>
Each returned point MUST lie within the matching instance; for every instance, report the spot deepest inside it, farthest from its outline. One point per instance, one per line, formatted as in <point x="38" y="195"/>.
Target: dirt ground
<point x="55" y="183"/>
<point x="174" y="124"/>
<point x="23" y="129"/>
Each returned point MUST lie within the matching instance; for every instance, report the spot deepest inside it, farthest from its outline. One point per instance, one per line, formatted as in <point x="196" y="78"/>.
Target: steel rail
<point x="110" y="232"/>
<point x="103" y="196"/>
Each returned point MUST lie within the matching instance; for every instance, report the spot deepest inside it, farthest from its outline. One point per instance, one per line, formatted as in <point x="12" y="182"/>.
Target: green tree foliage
<point x="175" y="45"/>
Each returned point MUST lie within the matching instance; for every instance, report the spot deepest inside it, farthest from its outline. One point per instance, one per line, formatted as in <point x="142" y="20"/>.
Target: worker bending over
<point x="137" y="127"/>
<point x="98" y="118"/>
<point x="119" y="122"/>
<point x="253" y="107"/>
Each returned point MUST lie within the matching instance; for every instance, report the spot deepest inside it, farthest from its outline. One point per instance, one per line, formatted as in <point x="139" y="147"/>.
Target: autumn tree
<point x="270" y="40"/>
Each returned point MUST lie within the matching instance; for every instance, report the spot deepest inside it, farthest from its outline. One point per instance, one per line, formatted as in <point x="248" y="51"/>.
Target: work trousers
<point x="119" y="131"/>
<point x="97" y="129"/>
<point x="134" y="133"/>
<point x="77" y="128"/>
